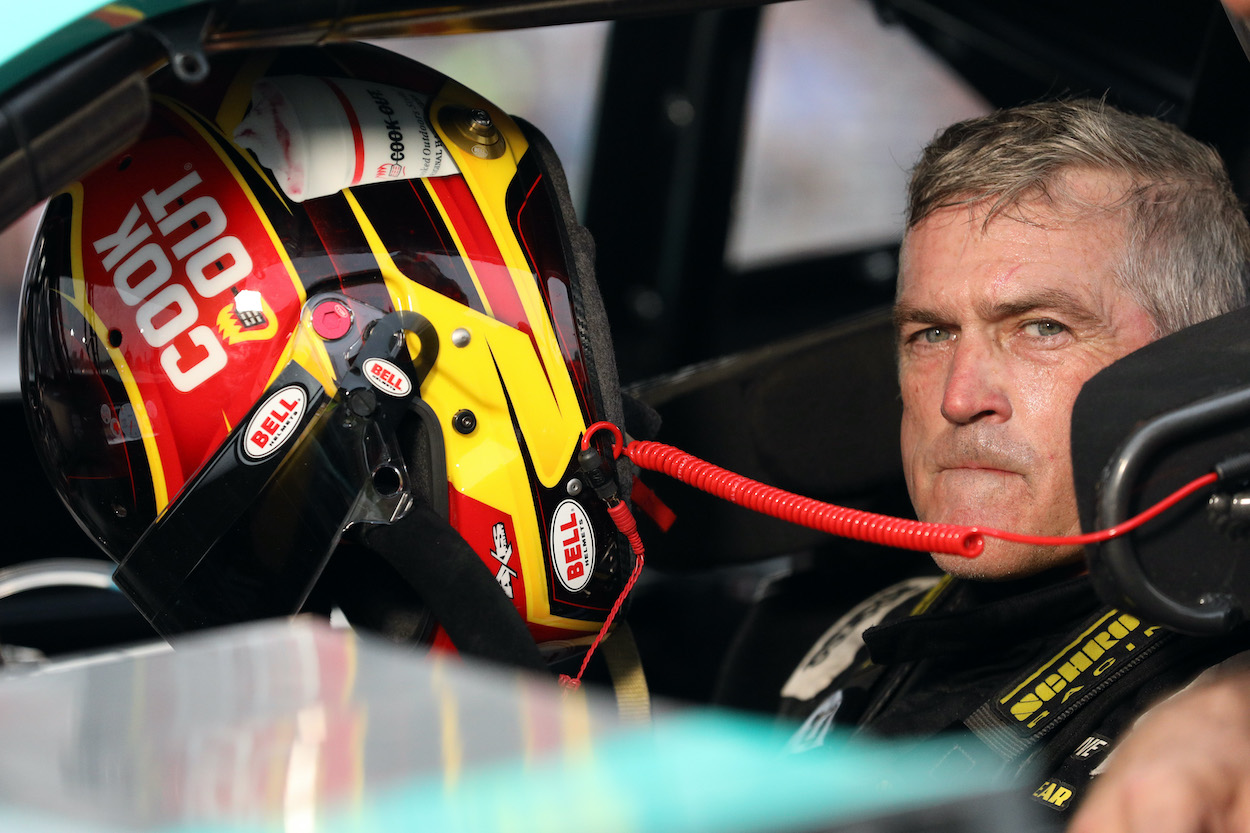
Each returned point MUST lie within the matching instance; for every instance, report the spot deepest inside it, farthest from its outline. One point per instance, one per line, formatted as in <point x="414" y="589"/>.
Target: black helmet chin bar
<point x="1149" y="423"/>
<point x="248" y="537"/>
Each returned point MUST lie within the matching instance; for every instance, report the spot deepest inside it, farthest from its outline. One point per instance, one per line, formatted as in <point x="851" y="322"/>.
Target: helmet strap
<point x="447" y="575"/>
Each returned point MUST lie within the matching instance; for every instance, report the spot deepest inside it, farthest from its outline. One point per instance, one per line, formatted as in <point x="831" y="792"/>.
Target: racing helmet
<point x="331" y="303"/>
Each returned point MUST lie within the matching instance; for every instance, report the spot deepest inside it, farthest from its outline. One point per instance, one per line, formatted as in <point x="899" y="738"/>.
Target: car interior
<point x="741" y="167"/>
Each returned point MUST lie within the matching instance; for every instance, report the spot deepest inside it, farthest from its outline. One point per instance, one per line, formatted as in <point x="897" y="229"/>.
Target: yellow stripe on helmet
<point x="552" y="422"/>
<point x="78" y="301"/>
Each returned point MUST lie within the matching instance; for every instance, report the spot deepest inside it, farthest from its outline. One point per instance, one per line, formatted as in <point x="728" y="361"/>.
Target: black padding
<point x="817" y="415"/>
<point x="642" y="422"/>
<point x="1183" y="554"/>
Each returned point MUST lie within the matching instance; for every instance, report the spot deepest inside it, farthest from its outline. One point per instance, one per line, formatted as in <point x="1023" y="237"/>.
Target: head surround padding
<point x="1172" y="569"/>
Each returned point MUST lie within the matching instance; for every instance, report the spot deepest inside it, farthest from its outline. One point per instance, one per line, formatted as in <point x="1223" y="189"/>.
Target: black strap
<point x="457" y="589"/>
<point x="1103" y="650"/>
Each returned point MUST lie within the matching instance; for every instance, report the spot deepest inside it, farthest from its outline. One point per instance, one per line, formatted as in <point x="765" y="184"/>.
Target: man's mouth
<point x="978" y="467"/>
<point x="986" y="455"/>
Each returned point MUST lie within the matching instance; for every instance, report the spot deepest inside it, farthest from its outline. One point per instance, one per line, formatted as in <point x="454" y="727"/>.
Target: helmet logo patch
<point x="572" y="546"/>
<point x="502" y="552"/>
<point x="320" y="135"/>
<point x="247" y="318"/>
<point x="386" y="377"/>
<point x="191" y="231"/>
<point x="275" y="422"/>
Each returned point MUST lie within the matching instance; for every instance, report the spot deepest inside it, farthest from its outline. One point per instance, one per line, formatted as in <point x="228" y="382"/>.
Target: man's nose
<point x="975" y="385"/>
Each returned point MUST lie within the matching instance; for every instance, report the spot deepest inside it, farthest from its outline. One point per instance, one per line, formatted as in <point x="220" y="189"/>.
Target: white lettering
<point x="1089" y="746"/>
<point x="165" y="311"/>
<point x="213" y="360"/>
<point x="123" y="241"/>
<point x="220" y="249"/>
<point x="205" y="207"/>
<point x="161" y="271"/>
<point x="156" y="202"/>
<point x="174" y="295"/>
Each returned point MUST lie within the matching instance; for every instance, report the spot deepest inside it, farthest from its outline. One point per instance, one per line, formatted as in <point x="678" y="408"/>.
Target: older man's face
<point x="998" y="329"/>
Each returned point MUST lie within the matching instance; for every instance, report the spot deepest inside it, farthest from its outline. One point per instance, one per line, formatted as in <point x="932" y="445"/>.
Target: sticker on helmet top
<point x="572" y="545"/>
<point x="275" y="422"/>
<point x="320" y="135"/>
<point x="386" y="377"/>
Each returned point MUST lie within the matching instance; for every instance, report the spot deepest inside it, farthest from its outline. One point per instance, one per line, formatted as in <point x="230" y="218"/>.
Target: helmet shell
<point x="172" y="293"/>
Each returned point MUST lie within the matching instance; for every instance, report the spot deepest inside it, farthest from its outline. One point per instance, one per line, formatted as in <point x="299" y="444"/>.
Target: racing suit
<point x="1035" y="678"/>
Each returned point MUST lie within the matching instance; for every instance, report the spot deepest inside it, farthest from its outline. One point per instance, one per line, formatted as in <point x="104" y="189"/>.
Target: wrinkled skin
<point x="999" y="326"/>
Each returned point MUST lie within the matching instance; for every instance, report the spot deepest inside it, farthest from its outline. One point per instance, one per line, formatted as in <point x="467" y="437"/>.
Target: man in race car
<point x="1043" y="242"/>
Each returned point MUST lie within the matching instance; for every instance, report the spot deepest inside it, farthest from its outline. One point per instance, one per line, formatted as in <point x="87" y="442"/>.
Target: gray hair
<point x="1188" y="242"/>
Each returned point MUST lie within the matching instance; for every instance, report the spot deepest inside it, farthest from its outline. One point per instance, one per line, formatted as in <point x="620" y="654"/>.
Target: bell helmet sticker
<point x="386" y="377"/>
<point x="275" y="422"/>
<point x="572" y="546"/>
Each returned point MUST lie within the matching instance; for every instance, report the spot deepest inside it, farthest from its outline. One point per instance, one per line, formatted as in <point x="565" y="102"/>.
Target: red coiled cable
<point x="901" y="533"/>
<point x="968" y="541"/>
<point x="805" y="511"/>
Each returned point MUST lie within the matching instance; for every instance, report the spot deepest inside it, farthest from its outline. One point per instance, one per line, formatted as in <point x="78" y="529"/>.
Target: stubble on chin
<point x="979" y="476"/>
<point x="1005" y="561"/>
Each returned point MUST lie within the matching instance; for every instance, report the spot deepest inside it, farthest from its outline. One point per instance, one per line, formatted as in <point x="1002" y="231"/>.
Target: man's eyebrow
<point x="1062" y="302"/>
<point x="908" y="314"/>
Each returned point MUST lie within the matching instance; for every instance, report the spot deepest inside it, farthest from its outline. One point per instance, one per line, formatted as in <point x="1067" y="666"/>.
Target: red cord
<point x="618" y="439"/>
<point x="952" y="539"/>
<point x="1132" y="523"/>
<point x="625" y="522"/>
<point x="827" y="517"/>
<point x="968" y="541"/>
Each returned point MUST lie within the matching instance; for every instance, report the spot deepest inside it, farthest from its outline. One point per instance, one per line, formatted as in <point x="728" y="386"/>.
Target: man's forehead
<point x="952" y="261"/>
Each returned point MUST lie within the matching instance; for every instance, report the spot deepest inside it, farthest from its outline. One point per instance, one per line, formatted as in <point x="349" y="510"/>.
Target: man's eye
<point x="933" y="335"/>
<point x="1045" y="329"/>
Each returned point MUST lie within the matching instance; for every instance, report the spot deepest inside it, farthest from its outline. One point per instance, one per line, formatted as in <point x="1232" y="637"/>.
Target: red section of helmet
<point x="491" y="535"/>
<point x="168" y="236"/>
<point x="482" y="250"/>
<point x="423" y="250"/>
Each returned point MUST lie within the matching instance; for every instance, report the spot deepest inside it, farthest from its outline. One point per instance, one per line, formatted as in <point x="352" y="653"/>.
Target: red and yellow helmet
<point x="332" y="301"/>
